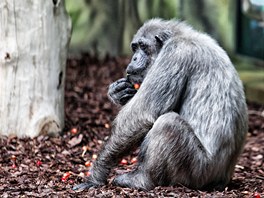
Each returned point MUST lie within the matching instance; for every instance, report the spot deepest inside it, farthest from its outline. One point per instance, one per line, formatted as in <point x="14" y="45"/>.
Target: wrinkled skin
<point x="145" y="52"/>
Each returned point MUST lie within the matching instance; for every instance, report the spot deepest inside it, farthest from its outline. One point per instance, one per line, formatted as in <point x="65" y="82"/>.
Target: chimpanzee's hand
<point x="121" y="91"/>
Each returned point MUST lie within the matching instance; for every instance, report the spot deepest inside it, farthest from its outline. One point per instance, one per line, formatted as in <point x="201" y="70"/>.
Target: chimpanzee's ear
<point x="162" y="37"/>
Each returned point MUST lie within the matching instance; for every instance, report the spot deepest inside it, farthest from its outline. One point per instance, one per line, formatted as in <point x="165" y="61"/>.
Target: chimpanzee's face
<point x="145" y="52"/>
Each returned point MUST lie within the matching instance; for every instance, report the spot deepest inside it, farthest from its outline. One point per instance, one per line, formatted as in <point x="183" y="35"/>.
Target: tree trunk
<point x="34" y="38"/>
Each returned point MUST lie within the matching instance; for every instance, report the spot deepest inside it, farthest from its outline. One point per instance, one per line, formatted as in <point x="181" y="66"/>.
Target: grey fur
<point x="189" y="115"/>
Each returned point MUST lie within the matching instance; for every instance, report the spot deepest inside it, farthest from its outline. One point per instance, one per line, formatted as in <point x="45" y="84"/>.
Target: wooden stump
<point x="34" y="38"/>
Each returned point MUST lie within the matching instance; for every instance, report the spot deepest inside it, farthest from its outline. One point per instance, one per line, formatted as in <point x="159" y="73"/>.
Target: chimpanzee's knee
<point x="168" y="149"/>
<point x="168" y="127"/>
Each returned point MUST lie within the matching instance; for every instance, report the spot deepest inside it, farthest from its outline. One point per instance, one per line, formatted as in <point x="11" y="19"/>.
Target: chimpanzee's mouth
<point x="134" y="78"/>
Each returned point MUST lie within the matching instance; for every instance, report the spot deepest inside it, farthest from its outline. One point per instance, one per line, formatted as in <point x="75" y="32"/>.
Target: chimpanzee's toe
<point x="134" y="180"/>
<point x="83" y="186"/>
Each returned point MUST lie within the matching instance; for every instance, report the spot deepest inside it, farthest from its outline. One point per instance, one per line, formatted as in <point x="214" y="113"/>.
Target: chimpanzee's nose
<point x="131" y="70"/>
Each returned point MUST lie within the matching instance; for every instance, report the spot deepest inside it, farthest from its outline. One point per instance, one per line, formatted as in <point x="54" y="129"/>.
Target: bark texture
<point x="34" y="38"/>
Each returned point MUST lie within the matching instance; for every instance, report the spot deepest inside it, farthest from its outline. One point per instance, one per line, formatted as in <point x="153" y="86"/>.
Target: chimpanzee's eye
<point x="134" y="47"/>
<point x="143" y="46"/>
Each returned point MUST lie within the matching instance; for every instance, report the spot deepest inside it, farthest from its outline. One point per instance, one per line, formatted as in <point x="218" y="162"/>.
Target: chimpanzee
<point x="189" y="116"/>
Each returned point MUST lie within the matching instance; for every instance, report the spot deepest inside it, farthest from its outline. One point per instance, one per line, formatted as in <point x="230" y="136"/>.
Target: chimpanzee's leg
<point x="169" y="154"/>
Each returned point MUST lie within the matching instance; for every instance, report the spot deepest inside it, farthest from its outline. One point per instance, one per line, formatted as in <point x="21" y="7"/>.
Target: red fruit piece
<point x="13" y="158"/>
<point x="38" y="163"/>
<point x="14" y="166"/>
<point x="133" y="160"/>
<point x="63" y="179"/>
<point x="88" y="163"/>
<point x="74" y="131"/>
<point x="256" y="195"/>
<point x="123" y="162"/>
<point x="65" y="176"/>
<point x="88" y="173"/>
<point x="136" y="86"/>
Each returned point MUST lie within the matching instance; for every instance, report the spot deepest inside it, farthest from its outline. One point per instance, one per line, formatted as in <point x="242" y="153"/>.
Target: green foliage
<point x="107" y="26"/>
<point x="104" y="27"/>
<point x="79" y="13"/>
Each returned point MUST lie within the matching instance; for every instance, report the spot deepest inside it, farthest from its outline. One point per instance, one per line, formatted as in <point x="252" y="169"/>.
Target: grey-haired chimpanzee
<point x="189" y="115"/>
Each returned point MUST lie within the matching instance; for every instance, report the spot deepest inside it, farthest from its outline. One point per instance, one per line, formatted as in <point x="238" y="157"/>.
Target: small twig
<point x="260" y="177"/>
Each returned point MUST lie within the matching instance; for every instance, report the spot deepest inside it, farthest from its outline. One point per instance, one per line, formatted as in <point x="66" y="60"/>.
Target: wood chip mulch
<point x="51" y="166"/>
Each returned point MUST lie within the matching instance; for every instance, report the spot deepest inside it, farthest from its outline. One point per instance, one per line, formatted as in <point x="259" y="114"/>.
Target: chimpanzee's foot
<point x="84" y="186"/>
<point x="134" y="179"/>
